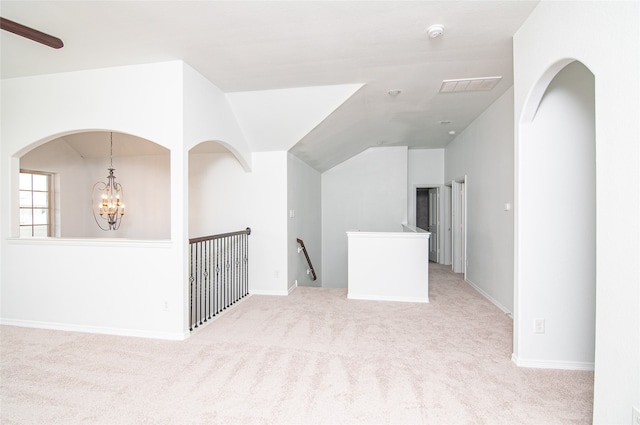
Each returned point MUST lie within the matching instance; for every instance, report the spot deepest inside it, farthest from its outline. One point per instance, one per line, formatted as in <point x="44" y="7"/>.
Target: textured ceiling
<point x="264" y="45"/>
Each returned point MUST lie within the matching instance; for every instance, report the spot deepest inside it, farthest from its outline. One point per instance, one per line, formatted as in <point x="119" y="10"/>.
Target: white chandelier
<point x="110" y="195"/>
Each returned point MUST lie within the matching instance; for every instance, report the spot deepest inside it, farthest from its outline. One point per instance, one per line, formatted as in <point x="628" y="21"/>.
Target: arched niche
<point x="540" y="88"/>
<point x="556" y="221"/>
<point x="77" y="160"/>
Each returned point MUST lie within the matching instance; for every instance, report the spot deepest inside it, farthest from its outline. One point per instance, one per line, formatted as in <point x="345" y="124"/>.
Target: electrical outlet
<point x="538" y="326"/>
<point x="635" y="416"/>
<point x="165" y="305"/>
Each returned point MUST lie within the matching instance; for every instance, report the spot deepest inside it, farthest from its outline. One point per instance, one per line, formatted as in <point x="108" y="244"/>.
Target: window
<point x="36" y="204"/>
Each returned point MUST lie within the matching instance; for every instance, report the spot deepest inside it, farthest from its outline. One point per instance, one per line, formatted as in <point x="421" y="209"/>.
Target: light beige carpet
<point x="311" y="357"/>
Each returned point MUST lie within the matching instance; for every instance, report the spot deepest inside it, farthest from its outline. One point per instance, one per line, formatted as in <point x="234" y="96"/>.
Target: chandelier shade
<point x="107" y="199"/>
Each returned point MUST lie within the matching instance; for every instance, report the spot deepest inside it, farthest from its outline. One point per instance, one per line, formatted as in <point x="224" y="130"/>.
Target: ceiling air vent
<point x="469" y="84"/>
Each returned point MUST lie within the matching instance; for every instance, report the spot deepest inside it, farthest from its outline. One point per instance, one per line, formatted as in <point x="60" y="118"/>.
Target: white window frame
<point x="50" y="203"/>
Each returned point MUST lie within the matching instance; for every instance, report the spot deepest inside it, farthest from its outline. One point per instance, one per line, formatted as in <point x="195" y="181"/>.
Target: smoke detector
<point x="435" y="31"/>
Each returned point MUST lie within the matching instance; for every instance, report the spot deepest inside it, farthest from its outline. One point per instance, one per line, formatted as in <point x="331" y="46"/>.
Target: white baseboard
<point x="388" y="298"/>
<point x="493" y="301"/>
<point x="268" y="292"/>
<point x="138" y="333"/>
<point x="551" y="364"/>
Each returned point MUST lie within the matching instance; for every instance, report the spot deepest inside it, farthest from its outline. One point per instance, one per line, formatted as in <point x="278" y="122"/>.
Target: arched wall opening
<point x="556" y="255"/>
<point x="224" y="196"/>
<point x="216" y="204"/>
<point x="77" y="160"/>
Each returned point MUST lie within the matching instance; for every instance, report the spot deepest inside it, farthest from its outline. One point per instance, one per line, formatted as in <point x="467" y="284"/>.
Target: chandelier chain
<point x="109" y="196"/>
<point x="111" y="152"/>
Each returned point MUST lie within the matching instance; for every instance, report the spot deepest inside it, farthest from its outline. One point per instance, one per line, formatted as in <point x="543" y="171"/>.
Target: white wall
<point x="556" y="33"/>
<point x="68" y="284"/>
<point x="223" y="197"/>
<point x="207" y="116"/>
<point x="484" y="153"/>
<point x="297" y="111"/>
<point x="557" y="225"/>
<point x="167" y="103"/>
<point x="388" y="266"/>
<point x="367" y="192"/>
<point x="72" y="288"/>
<point x="304" y="200"/>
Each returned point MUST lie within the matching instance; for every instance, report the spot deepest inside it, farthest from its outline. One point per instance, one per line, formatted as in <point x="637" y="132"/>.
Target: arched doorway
<point x="556" y="254"/>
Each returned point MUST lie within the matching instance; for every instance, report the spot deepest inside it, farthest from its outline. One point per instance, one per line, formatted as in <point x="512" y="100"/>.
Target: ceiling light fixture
<point x="452" y="133"/>
<point x="394" y="92"/>
<point x="435" y="31"/>
<point x="111" y="204"/>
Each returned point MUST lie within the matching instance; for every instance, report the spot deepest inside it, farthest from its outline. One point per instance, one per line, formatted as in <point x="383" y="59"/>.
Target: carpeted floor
<point x="311" y="357"/>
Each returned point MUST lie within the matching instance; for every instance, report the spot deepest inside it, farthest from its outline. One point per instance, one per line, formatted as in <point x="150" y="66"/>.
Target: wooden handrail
<point x="247" y="232"/>
<point x="304" y="249"/>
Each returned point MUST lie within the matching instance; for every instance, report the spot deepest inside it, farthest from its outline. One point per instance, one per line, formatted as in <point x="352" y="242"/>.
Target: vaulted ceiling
<point x="264" y="45"/>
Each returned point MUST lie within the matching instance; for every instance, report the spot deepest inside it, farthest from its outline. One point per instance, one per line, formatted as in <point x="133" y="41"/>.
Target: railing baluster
<point x="230" y="262"/>
<point x="205" y="260"/>
<point x="211" y="277"/>
<point x="218" y="274"/>
<point x="207" y="291"/>
<point x="225" y="292"/>
<point x="206" y="280"/>
<point x="224" y="274"/>
<point x="200" y="285"/>
<point x="223" y="270"/>
<point x="191" y="288"/>
<point x="197" y="275"/>
<point x="212" y="263"/>
<point x="239" y="267"/>
<point x="245" y="261"/>
<point x="235" y="269"/>
<point x="229" y="272"/>
<point x="242" y="266"/>
<point x="227" y="288"/>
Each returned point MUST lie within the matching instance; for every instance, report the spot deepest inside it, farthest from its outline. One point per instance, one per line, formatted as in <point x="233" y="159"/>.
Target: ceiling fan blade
<point x="30" y="33"/>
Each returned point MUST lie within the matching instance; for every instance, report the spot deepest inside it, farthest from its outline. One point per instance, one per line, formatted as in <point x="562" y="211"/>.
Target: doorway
<point x="459" y="226"/>
<point x="428" y="218"/>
